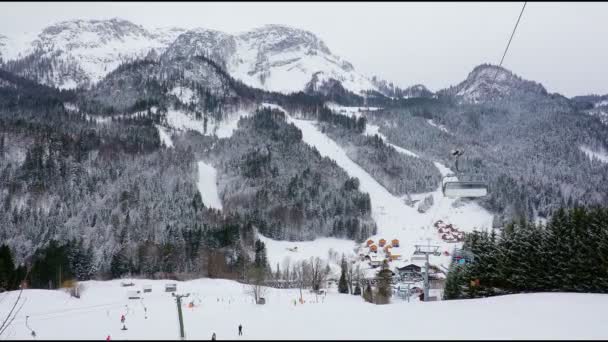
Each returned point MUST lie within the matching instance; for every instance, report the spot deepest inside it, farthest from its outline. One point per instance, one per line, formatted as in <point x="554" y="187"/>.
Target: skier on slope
<point x="108" y="338"/>
<point x="122" y="319"/>
<point x="213" y="337"/>
<point x="240" y="330"/>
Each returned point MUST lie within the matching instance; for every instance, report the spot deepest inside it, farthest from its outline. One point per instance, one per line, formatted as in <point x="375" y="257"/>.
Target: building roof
<point x="409" y="265"/>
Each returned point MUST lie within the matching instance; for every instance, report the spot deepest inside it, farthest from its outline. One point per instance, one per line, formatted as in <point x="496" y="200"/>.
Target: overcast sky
<point x="561" y="45"/>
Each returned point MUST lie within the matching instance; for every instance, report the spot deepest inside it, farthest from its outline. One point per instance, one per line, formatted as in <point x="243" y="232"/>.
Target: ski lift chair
<point x="453" y="187"/>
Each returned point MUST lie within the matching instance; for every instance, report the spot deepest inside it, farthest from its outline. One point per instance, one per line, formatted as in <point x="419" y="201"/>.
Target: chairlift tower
<point x="427" y="250"/>
<point x="178" y="299"/>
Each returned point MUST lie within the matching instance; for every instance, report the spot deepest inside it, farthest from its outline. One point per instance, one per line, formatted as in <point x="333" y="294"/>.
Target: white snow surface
<point x="207" y="185"/>
<point x="284" y="59"/>
<point x="221" y="305"/>
<point x="601" y="103"/>
<point x="96" y="47"/>
<point x="277" y="251"/>
<point x="165" y="136"/>
<point x="184" y="94"/>
<point x="181" y="120"/>
<point x="349" y="110"/>
<point x="271" y="57"/>
<point x="601" y="156"/>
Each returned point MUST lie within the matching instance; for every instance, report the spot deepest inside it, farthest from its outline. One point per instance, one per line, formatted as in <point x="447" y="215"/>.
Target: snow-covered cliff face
<point x="488" y="82"/>
<point x="216" y="45"/>
<point x="81" y="52"/>
<point x="272" y="57"/>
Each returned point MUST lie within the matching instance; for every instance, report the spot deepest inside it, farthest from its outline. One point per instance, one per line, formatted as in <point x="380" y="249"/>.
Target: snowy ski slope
<point x="393" y="217"/>
<point x="221" y="305"/>
<point x="207" y="185"/>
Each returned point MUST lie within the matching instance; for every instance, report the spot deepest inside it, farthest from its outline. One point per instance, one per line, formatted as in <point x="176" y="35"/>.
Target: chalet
<point x="393" y="253"/>
<point x="375" y="260"/>
<point x="370" y="242"/>
<point x="395" y="243"/>
<point x="410" y="270"/>
<point x="434" y="270"/>
<point x="147" y="288"/>
<point x="172" y="287"/>
<point x="381" y="243"/>
<point x="373" y="248"/>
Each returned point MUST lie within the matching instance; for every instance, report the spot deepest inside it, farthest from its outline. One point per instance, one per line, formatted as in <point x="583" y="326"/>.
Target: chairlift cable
<point x="510" y="39"/>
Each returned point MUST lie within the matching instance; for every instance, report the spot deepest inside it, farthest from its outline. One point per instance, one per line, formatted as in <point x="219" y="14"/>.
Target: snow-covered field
<point x="221" y="305"/>
<point x="180" y="120"/>
<point x="277" y="251"/>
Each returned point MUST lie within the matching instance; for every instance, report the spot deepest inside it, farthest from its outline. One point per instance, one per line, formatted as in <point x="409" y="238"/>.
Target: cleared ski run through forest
<point x="393" y="217"/>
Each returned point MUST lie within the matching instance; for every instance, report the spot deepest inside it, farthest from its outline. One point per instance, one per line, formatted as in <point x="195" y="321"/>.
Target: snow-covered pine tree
<point x="342" y="284"/>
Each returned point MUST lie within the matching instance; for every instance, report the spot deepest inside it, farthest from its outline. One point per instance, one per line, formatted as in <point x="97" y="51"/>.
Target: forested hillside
<point x="269" y="174"/>
<point x="527" y="149"/>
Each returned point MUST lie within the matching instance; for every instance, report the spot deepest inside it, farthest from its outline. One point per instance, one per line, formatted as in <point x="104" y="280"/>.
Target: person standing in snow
<point x="213" y="337"/>
<point x="122" y="319"/>
<point x="240" y="330"/>
<point x="108" y="338"/>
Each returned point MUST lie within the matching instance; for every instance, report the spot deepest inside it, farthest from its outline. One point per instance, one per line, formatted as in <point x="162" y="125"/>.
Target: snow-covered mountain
<point x="489" y="82"/>
<point x="81" y="52"/>
<point x="273" y="57"/>
<point x="389" y="89"/>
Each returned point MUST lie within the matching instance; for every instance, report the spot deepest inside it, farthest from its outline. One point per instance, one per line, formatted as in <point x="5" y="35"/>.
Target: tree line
<point x="568" y="254"/>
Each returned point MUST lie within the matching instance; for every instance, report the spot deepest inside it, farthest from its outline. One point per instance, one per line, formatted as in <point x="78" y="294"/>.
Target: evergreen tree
<point x="119" y="265"/>
<point x="342" y="284"/>
<point x="7" y="268"/>
<point x="260" y="261"/>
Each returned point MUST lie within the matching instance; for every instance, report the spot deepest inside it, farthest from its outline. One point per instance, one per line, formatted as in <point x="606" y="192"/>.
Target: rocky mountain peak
<point x="488" y="82"/>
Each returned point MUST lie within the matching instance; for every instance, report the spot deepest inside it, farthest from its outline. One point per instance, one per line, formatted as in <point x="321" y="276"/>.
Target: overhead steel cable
<point x="510" y="39"/>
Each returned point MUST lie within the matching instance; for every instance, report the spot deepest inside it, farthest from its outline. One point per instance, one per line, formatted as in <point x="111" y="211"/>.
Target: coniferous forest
<point x="568" y="254"/>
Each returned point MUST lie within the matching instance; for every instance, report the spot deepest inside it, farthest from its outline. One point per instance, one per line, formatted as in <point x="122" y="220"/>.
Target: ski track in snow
<point x="393" y="217"/>
<point x="207" y="185"/>
<point x="221" y="305"/>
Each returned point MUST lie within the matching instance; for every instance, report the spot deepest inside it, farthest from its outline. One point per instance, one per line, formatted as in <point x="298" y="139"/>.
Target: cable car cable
<point x="511" y="38"/>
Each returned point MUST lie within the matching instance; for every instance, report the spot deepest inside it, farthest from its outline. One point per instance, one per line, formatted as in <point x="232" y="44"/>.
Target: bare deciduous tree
<point x="256" y="278"/>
